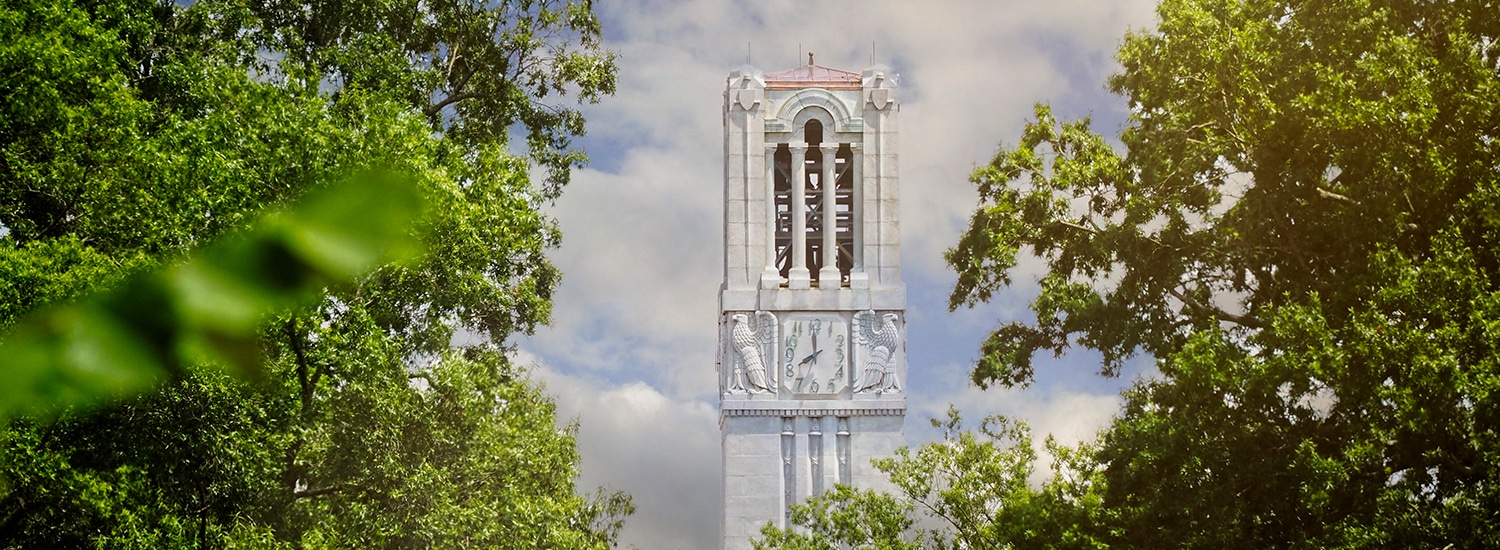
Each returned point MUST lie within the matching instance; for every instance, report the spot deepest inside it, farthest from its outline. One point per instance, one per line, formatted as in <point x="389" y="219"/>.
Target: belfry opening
<point x="828" y="213"/>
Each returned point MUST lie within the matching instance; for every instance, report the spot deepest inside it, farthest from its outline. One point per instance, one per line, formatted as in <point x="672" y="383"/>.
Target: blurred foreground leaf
<point x="209" y="308"/>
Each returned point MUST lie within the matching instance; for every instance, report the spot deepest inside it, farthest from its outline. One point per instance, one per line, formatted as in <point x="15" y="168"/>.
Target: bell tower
<point x="812" y="355"/>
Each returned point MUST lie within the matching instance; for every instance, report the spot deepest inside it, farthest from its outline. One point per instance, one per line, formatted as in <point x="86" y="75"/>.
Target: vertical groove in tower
<point x="812" y="309"/>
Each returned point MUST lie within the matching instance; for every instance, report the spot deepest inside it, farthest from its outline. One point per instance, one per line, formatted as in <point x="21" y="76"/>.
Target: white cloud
<point x="1068" y="416"/>
<point x="640" y="261"/>
<point x="662" y="451"/>
<point x="631" y="349"/>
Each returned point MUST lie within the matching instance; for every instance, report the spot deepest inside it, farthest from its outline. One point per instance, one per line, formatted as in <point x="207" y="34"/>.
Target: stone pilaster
<point x="881" y="206"/>
<point x="744" y="228"/>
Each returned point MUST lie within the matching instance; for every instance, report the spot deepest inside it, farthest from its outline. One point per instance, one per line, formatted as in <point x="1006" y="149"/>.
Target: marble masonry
<point x="812" y="356"/>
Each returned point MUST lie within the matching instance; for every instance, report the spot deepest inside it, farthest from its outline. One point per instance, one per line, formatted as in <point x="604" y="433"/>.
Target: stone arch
<point x="791" y="113"/>
<point x="808" y="114"/>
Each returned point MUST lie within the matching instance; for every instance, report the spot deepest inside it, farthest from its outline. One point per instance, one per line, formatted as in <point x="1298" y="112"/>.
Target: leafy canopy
<point x="139" y="130"/>
<point x="1302" y="230"/>
<point x="1273" y="149"/>
<point x="969" y="490"/>
<point x="210" y="308"/>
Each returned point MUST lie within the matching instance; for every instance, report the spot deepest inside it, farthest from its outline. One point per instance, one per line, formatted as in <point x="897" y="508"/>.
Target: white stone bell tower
<point x="812" y="354"/>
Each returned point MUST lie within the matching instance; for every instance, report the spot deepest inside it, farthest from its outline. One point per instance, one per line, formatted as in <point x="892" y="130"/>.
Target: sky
<point x="630" y="351"/>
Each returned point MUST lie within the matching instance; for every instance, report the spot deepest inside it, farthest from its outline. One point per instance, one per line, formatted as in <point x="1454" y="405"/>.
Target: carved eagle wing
<point x="765" y="329"/>
<point x="866" y="327"/>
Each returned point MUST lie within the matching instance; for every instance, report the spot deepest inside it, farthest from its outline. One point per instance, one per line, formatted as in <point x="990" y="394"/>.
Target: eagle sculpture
<point x="750" y="345"/>
<point x="881" y="338"/>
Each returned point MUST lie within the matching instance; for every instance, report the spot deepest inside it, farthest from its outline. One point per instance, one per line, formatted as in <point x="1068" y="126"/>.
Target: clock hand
<point x="811" y="358"/>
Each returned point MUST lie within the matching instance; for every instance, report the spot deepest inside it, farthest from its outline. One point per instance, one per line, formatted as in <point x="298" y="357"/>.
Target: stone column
<point x="770" y="277"/>
<point x="799" y="277"/>
<point x="788" y="469"/>
<point x="828" y="276"/>
<point x="815" y="453"/>
<point x="842" y="443"/>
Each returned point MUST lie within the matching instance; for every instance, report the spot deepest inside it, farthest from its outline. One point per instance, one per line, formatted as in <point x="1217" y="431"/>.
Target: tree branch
<point x="1194" y="304"/>
<point x="435" y="108"/>
<point x="448" y="75"/>
<point x="306" y="380"/>
<point x="1071" y="225"/>
<point x="14" y="513"/>
<point x="310" y="493"/>
<point x="458" y="94"/>
<point x="1330" y="195"/>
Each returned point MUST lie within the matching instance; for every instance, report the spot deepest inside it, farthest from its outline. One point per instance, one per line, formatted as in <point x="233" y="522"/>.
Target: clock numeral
<point x="838" y="350"/>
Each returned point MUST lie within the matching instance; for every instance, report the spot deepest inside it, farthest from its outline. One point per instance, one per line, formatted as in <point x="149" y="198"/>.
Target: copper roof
<point x="813" y="76"/>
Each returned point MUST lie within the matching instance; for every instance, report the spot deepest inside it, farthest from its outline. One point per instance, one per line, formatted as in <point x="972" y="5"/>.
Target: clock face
<point x="814" y="355"/>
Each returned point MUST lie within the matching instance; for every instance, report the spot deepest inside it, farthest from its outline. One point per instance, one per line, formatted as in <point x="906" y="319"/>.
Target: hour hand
<point x="811" y="358"/>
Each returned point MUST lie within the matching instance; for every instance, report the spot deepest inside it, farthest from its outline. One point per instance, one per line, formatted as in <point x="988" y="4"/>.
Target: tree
<point x="1302" y="231"/>
<point x="845" y="517"/>
<point x="139" y="130"/>
<point x="970" y="490"/>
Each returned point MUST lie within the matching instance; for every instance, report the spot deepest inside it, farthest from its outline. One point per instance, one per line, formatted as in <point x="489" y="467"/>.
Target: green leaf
<point x="211" y="307"/>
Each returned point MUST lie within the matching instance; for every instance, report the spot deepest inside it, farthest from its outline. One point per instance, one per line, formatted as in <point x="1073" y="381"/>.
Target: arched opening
<point x="817" y="202"/>
<point x="813" y="191"/>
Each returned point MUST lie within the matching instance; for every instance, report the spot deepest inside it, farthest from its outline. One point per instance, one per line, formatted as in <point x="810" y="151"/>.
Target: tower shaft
<point x="812" y="359"/>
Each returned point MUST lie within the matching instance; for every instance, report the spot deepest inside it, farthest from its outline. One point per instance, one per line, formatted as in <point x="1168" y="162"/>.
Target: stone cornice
<point x="860" y="406"/>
